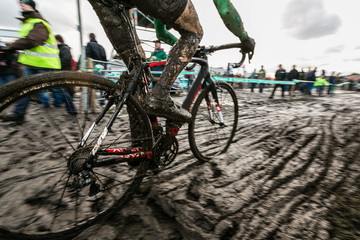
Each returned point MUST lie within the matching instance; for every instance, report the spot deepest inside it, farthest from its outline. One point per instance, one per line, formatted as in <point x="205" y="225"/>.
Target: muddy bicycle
<point x="61" y="173"/>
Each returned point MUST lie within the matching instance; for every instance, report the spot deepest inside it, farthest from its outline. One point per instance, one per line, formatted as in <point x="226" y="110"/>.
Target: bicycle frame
<point x="202" y="80"/>
<point x="123" y="155"/>
<point x="137" y="68"/>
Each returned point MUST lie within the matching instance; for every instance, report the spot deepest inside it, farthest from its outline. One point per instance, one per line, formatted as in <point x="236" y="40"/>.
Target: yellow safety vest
<point x="320" y="82"/>
<point x="44" y="56"/>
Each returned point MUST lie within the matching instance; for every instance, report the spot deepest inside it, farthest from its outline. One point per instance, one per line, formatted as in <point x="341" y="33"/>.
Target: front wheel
<point x="43" y="192"/>
<point x="213" y="125"/>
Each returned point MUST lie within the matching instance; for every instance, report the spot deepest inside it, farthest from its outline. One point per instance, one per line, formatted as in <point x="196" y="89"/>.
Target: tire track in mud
<point x="283" y="177"/>
<point x="278" y="180"/>
<point x="281" y="215"/>
<point x="287" y="165"/>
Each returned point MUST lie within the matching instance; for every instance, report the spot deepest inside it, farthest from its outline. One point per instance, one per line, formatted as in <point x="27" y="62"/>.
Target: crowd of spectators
<point x="308" y="82"/>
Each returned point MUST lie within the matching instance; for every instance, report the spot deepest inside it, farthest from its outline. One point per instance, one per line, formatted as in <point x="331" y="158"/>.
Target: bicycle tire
<point x="34" y="179"/>
<point x="208" y="139"/>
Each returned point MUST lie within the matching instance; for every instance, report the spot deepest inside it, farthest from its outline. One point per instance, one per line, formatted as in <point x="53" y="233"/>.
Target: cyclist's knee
<point x="188" y="22"/>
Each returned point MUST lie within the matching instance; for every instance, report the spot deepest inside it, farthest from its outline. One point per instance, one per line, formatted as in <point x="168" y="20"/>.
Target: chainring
<point x="165" y="150"/>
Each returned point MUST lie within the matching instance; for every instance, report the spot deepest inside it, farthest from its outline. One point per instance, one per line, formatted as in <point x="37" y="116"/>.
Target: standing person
<point x="40" y="53"/>
<point x="261" y="76"/>
<point x="280" y="75"/>
<point x="7" y="65"/>
<point x="301" y="85"/>
<point x="96" y="52"/>
<point x="253" y="75"/>
<point x="59" y="94"/>
<point x="157" y="55"/>
<point x="332" y="81"/>
<point x="320" y="82"/>
<point x="293" y="75"/>
<point x="323" y="73"/>
<point x="65" y="53"/>
<point x="311" y="76"/>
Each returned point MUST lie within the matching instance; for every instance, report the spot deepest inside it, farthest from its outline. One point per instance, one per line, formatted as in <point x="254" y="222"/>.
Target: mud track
<point x="292" y="172"/>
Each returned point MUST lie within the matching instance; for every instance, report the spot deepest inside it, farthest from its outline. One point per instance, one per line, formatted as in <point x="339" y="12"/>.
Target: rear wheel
<point x="208" y="136"/>
<point x="41" y="167"/>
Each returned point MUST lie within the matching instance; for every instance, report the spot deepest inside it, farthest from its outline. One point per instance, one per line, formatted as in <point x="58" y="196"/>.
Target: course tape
<point x="224" y="79"/>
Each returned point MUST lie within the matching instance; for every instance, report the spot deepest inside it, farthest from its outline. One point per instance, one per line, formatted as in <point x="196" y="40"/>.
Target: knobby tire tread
<point x="19" y="88"/>
<point x="194" y="112"/>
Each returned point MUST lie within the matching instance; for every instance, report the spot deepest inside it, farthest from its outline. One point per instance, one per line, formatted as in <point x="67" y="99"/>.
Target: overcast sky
<point x="308" y="33"/>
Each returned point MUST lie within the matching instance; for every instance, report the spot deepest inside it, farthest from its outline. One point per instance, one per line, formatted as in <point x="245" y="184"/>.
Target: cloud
<point x="352" y="59"/>
<point x="308" y="19"/>
<point x="335" y="49"/>
<point x="357" y="47"/>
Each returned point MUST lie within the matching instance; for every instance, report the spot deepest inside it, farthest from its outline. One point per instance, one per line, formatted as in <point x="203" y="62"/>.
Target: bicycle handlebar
<point x="202" y="51"/>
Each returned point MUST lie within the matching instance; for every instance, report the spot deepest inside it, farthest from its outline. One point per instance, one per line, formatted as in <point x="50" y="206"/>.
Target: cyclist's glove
<point x="248" y="47"/>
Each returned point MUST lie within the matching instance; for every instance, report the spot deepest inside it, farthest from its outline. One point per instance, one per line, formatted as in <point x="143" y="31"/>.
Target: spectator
<point x="261" y="76"/>
<point x="66" y="64"/>
<point x="293" y="75"/>
<point x="253" y="75"/>
<point x="323" y="73"/>
<point x="65" y="54"/>
<point x="7" y="65"/>
<point x="280" y="75"/>
<point x="96" y="52"/>
<point x="320" y="82"/>
<point x="332" y="81"/>
<point x="41" y="55"/>
<point x="158" y="55"/>
<point x="311" y="76"/>
<point x="302" y="85"/>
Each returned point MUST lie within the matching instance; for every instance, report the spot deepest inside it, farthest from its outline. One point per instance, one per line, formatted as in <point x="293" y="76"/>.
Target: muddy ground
<point x="292" y="172"/>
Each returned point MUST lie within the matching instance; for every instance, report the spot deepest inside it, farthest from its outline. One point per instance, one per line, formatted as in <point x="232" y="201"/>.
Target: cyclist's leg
<point x="180" y="15"/>
<point x="119" y="31"/>
<point x="117" y="28"/>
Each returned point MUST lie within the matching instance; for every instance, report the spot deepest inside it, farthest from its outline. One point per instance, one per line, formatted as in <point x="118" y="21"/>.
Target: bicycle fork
<point x="213" y="110"/>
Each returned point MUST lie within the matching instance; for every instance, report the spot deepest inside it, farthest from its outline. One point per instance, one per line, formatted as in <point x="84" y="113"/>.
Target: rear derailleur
<point x="82" y="175"/>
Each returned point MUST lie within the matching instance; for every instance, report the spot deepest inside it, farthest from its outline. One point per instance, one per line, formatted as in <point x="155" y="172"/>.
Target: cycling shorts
<point x="167" y="11"/>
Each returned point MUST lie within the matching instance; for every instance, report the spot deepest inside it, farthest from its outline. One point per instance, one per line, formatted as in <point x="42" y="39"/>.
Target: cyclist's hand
<point x="248" y="47"/>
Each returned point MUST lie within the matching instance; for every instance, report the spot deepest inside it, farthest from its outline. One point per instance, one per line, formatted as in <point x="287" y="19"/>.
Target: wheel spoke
<point x="206" y="136"/>
<point x="44" y="186"/>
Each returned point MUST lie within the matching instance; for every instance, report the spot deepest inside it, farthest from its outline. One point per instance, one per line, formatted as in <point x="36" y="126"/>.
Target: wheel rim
<point x="209" y="137"/>
<point x="36" y="195"/>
